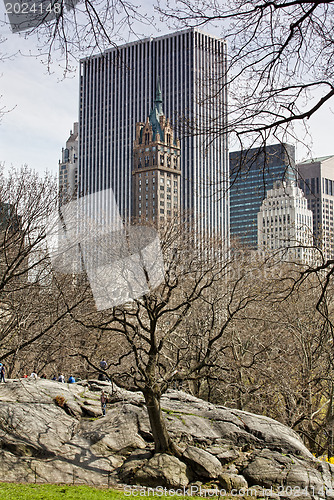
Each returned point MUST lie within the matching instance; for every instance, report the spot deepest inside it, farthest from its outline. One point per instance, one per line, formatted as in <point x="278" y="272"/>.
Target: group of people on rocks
<point x="60" y="378"/>
<point x="71" y="380"/>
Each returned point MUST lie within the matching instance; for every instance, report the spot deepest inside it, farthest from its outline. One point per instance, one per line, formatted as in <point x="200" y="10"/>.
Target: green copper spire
<point x="158" y="98"/>
<point x="157" y="112"/>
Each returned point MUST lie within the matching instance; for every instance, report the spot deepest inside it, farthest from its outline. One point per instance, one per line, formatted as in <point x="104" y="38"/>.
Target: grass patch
<point x="13" y="491"/>
<point x="176" y="414"/>
<point x="169" y="412"/>
<point x="16" y="491"/>
<point x="179" y="414"/>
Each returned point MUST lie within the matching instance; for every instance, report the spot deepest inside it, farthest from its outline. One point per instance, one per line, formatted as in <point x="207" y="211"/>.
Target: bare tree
<point x="279" y="74"/>
<point x="70" y="29"/>
<point x="280" y="54"/>
<point x="157" y="345"/>
<point x="276" y="355"/>
<point x="149" y="329"/>
<point x="279" y="64"/>
<point x="32" y="305"/>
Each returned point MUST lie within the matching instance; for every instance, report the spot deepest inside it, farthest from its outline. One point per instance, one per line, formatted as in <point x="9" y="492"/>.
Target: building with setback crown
<point x="117" y="89"/>
<point x="285" y="223"/>
<point x="316" y="179"/>
<point x="156" y="182"/>
<point x="253" y="172"/>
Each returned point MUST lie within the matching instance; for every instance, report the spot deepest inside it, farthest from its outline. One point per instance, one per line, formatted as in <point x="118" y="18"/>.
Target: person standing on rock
<point x="178" y="379"/>
<point x="104" y="401"/>
<point x="2" y="374"/>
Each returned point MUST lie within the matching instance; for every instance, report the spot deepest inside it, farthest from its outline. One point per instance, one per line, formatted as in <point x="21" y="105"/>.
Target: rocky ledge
<point x="53" y="432"/>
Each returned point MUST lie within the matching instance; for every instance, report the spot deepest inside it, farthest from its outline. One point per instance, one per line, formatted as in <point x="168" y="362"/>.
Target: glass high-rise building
<point x="252" y="173"/>
<point x="117" y="90"/>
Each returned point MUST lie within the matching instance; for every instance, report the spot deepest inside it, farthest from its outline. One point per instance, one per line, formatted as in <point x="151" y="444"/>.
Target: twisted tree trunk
<point x="162" y="440"/>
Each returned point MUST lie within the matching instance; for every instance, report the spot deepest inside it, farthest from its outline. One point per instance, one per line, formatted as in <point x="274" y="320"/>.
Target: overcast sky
<point x="41" y="108"/>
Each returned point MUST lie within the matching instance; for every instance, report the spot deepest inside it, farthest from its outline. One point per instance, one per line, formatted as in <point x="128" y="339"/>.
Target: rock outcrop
<point x="55" y="432"/>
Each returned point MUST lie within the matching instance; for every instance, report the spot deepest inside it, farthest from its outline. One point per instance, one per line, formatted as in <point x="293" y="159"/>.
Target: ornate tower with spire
<point x="156" y="172"/>
<point x="117" y="91"/>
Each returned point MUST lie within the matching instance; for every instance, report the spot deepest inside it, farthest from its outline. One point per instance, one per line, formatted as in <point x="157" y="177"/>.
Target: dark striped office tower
<point x="118" y="90"/>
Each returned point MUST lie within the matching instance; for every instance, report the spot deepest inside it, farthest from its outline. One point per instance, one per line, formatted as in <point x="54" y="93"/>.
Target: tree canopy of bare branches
<point x="280" y="59"/>
<point x="33" y="311"/>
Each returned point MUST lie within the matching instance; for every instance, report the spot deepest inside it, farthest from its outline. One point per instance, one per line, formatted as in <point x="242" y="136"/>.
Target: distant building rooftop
<point x="315" y="160"/>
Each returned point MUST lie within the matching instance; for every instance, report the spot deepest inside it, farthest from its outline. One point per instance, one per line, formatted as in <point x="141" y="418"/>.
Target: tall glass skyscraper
<point x="253" y="173"/>
<point x="118" y="90"/>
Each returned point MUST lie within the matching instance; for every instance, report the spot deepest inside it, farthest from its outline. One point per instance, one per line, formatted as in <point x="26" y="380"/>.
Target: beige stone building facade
<point x="156" y="172"/>
<point x="285" y="224"/>
<point x="68" y="168"/>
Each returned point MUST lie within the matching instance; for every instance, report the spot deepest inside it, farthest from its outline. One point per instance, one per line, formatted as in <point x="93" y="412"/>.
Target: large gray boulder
<point x="132" y="464"/>
<point x="47" y="435"/>
<point x="231" y="482"/>
<point x="202" y="463"/>
<point x="208" y="424"/>
<point x="269" y="468"/>
<point x="40" y="430"/>
<point x="162" y="470"/>
<point x="116" y="433"/>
